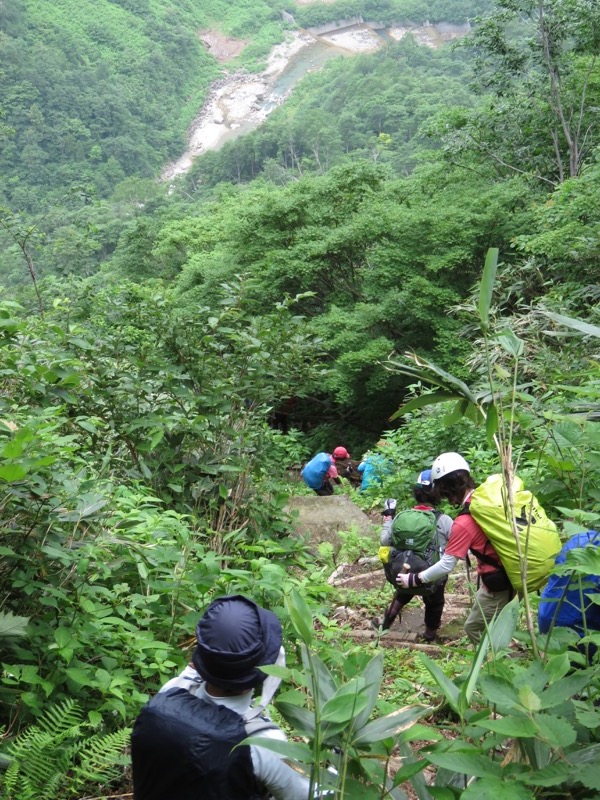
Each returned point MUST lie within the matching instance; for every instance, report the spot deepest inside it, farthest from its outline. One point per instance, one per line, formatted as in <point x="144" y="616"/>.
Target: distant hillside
<point x="92" y="91"/>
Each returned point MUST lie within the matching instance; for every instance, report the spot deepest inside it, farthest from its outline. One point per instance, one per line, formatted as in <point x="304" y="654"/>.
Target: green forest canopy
<point x="146" y="336"/>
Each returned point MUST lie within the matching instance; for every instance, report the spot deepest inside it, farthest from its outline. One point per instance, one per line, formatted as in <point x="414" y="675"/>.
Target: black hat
<point x="235" y="636"/>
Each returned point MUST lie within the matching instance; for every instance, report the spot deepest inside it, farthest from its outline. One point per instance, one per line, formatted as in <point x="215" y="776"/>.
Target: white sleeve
<point x="386" y="533"/>
<point x="445" y="565"/>
<point x="278" y="778"/>
<point x="444" y="523"/>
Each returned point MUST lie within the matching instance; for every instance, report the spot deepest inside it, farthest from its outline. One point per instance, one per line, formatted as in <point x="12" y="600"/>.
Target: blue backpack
<point x="561" y="600"/>
<point x="314" y="472"/>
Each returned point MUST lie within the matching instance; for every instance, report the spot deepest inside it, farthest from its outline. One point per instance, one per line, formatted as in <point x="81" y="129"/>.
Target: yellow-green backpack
<point x="537" y="534"/>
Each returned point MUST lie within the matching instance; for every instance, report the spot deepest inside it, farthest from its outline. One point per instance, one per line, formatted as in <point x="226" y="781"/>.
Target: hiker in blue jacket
<point x="426" y="498"/>
<point x="186" y="740"/>
<point x="565" y="604"/>
<point x="374" y="468"/>
<point x="321" y="470"/>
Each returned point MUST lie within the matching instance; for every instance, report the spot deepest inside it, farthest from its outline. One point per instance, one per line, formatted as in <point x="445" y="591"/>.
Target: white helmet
<point x="447" y="463"/>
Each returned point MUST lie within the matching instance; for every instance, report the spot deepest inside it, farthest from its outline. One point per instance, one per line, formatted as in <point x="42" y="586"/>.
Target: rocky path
<point x="362" y="583"/>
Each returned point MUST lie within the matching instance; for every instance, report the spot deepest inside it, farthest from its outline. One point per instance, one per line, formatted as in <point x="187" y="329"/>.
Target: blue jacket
<point x="373" y="470"/>
<point x="569" y="613"/>
<point x="314" y="472"/>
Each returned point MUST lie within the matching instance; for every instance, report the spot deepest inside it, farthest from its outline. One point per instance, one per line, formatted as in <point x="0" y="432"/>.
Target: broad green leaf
<point x="486" y="290"/>
<point x="491" y="423"/>
<point x="79" y="676"/>
<point x="573" y="323"/>
<point x="499" y="692"/>
<point x="468" y="687"/>
<point x="429" y="399"/>
<point x="325" y="681"/>
<point x="564" y="689"/>
<point x="588" y="717"/>
<point x="11" y="473"/>
<point x="300" y="616"/>
<point x="502" y="628"/>
<point x="283" y="673"/>
<point x="589" y="776"/>
<point x="298" y="751"/>
<point x="408" y="770"/>
<point x="587" y="755"/>
<point x="373" y="675"/>
<point x="63" y="636"/>
<point x="142" y="570"/>
<point x="549" y="775"/>
<point x="451" y="692"/>
<point x="557" y="667"/>
<point x="300" y="718"/>
<point x="555" y="731"/>
<point x="86" y="425"/>
<point x="529" y="699"/>
<point x="417" y="782"/>
<point x="510" y="342"/>
<point x="12" y="625"/>
<point x="346" y="703"/>
<point x="457" y="413"/>
<point x="496" y="789"/>
<point x="515" y="727"/>
<point x="469" y="763"/>
<point x="390" y="725"/>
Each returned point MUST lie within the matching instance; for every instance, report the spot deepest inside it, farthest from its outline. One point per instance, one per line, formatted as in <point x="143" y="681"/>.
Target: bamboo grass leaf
<point x="390" y="725"/>
<point x="487" y="287"/>
<point x="423" y="400"/>
<point x="573" y="323"/>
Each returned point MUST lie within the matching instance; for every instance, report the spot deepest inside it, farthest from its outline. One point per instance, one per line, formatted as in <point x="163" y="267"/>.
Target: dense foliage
<point x="148" y="335"/>
<point x="93" y="92"/>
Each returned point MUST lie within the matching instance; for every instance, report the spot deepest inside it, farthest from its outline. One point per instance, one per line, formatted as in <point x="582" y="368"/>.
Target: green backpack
<point x="414" y="530"/>
<point x="538" y="537"/>
<point x="414" y="545"/>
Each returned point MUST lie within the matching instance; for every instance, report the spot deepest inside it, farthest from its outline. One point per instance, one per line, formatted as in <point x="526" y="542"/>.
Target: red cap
<point x="341" y="452"/>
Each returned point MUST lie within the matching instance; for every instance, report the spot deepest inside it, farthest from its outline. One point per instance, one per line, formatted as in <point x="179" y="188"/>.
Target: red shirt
<point x="465" y="534"/>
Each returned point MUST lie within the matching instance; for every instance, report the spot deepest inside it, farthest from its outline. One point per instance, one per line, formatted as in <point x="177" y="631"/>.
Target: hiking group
<point x="187" y="741"/>
<point x="421" y="546"/>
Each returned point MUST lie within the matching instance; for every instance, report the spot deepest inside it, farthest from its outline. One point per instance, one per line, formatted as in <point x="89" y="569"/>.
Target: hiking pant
<point x="485" y="605"/>
<point x="434" y="606"/>
<point x="325" y="490"/>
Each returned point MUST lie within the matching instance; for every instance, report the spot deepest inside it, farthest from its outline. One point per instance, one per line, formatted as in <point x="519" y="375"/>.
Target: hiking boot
<point x="430" y="634"/>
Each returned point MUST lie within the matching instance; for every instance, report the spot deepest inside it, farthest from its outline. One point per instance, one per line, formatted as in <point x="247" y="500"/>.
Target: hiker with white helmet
<point x="186" y="740"/>
<point x="452" y="478"/>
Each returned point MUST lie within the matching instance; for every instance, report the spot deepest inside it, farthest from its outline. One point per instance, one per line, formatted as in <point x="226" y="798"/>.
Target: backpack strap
<point x="485" y="559"/>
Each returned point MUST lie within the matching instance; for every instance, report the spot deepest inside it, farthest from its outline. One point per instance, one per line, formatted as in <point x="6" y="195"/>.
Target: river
<point x="240" y="102"/>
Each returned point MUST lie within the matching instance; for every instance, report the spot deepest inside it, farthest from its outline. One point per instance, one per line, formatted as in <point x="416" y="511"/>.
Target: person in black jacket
<point x="184" y="741"/>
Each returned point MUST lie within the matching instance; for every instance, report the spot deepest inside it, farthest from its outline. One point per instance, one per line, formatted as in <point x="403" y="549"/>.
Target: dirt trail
<point x="366" y="576"/>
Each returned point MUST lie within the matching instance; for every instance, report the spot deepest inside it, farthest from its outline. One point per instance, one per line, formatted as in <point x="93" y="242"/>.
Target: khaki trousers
<point x="485" y="605"/>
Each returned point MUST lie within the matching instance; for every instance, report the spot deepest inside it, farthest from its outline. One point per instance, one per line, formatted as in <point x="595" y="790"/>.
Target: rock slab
<point x="320" y="519"/>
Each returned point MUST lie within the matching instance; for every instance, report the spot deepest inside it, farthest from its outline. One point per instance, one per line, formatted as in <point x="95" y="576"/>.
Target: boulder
<point x="321" y="518"/>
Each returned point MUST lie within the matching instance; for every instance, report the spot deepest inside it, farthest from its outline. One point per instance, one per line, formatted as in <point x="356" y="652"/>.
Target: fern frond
<point x="42" y="755"/>
<point x="101" y="758"/>
<point x="57" y="720"/>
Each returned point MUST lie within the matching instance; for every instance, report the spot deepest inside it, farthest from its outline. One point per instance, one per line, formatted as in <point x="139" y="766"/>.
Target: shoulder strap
<point x="485" y="559"/>
<point x="489" y="560"/>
